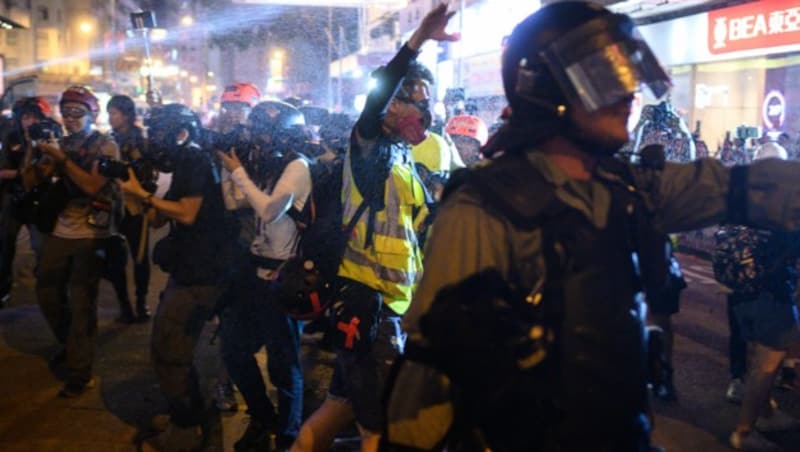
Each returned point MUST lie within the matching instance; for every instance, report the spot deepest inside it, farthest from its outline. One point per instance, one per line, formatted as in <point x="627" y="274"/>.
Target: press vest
<point x="390" y="260"/>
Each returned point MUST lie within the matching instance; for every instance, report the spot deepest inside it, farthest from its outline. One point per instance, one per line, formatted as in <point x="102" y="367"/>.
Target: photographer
<point x="195" y="253"/>
<point x="254" y="319"/>
<point x="15" y="210"/>
<point x="130" y="139"/>
<point x="70" y="263"/>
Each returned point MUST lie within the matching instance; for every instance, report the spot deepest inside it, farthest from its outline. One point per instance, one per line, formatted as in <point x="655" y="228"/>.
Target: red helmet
<point x="246" y="93"/>
<point x="468" y="126"/>
<point x="81" y="95"/>
<point x="36" y="105"/>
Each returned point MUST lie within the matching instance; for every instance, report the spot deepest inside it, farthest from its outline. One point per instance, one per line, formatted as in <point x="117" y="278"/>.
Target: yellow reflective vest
<point x="393" y="261"/>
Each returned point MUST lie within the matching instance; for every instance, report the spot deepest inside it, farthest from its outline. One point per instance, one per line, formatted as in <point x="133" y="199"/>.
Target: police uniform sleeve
<point x="464" y="240"/>
<point x="764" y="194"/>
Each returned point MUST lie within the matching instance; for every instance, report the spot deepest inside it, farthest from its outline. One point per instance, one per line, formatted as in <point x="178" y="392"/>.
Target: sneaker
<point x="735" y="391"/>
<point x="224" y="398"/>
<point x="778" y="422"/>
<point x="5" y="299"/>
<point x="175" y="439"/>
<point x="258" y="436"/>
<point x="753" y="441"/>
<point x="72" y="390"/>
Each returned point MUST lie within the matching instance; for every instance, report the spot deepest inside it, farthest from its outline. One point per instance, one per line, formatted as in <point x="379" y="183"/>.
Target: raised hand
<point x="433" y="27"/>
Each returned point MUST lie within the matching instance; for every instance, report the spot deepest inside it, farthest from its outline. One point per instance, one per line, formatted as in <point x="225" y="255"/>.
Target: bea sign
<point x="766" y="23"/>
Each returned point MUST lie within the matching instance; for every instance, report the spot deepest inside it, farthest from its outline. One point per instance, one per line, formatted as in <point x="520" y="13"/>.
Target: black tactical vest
<point x="591" y="388"/>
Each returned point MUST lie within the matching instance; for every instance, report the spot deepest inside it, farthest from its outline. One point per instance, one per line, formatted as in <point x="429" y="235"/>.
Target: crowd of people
<point x="537" y="242"/>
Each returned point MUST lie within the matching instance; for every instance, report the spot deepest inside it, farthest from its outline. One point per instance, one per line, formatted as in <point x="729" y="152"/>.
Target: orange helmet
<point x="468" y="126"/>
<point x="246" y="93"/>
<point x="36" y="105"/>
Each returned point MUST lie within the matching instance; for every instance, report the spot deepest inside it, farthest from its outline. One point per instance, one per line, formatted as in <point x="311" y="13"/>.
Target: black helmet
<point x="163" y="126"/>
<point x="171" y="118"/>
<point x="281" y="120"/>
<point x="576" y="52"/>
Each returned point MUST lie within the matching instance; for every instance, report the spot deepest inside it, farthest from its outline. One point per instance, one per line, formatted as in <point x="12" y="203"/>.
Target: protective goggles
<point x="605" y="61"/>
<point x="73" y="112"/>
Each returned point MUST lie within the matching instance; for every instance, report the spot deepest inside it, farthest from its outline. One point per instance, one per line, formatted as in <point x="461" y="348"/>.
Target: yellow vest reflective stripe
<point x="393" y="262"/>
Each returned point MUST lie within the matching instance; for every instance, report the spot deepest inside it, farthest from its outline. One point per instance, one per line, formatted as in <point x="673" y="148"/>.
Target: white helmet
<point x="770" y="150"/>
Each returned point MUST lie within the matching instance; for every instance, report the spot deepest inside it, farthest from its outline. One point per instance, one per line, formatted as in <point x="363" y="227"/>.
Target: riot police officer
<point x="531" y="300"/>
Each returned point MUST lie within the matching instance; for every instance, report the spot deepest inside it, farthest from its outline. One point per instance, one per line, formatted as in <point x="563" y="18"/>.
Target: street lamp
<point x="187" y="21"/>
<point x="85" y="27"/>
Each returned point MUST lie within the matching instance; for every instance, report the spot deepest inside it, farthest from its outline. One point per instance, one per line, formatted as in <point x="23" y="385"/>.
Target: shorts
<point x="767" y="321"/>
<point x="359" y="376"/>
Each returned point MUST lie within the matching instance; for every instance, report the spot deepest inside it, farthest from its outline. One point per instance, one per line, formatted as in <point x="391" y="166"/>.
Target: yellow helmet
<point x="433" y="153"/>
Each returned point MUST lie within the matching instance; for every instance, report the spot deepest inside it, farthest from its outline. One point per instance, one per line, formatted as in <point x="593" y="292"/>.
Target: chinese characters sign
<point x="766" y="23"/>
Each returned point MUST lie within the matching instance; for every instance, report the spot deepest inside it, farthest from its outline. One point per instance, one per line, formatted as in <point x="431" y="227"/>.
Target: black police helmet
<point x="525" y="46"/>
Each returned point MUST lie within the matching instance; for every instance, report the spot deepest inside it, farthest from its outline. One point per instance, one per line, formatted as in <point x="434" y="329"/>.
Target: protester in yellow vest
<point x="385" y="200"/>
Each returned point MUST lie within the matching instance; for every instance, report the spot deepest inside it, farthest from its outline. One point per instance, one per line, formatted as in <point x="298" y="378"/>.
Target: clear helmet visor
<point x="604" y="62"/>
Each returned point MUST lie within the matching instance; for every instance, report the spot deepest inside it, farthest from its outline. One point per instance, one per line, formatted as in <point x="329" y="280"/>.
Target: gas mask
<point x="413" y="126"/>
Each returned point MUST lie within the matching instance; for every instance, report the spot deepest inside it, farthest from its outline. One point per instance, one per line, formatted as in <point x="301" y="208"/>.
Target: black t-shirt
<point x="203" y="248"/>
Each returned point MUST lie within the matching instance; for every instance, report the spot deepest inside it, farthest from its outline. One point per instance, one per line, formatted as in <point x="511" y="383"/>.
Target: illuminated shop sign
<point x="773" y="110"/>
<point x="767" y="23"/>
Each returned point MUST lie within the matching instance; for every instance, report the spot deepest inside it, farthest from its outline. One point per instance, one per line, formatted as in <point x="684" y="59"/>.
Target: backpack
<point x="305" y="284"/>
<point x="741" y="258"/>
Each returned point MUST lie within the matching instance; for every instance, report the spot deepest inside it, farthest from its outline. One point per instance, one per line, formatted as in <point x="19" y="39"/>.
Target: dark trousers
<point x="179" y="320"/>
<point x="737" y="347"/>
<point x="251" y="321"/>
<point x="9" y="229"/>
<point x="117" y="252"/>
<point x="66" y="288"/>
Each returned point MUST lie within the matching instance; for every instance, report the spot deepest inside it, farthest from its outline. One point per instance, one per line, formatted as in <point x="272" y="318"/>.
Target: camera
<point x="115" y="169"/>
<point x="44" y="129"/>
<point x="238" y="138"/>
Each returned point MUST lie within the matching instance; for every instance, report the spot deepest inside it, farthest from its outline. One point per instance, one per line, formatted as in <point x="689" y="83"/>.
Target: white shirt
<point x="276" y="232"/>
